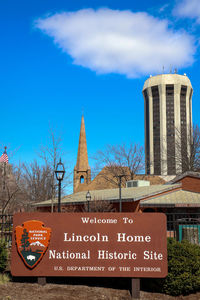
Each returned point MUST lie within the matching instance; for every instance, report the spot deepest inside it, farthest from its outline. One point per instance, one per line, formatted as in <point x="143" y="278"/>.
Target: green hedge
<point x="183" y="270"/>
<point x="3" y="256"/>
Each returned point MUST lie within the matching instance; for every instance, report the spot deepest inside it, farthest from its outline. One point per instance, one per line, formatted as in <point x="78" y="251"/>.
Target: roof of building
<point x="178" y="198"/>
<point x="167" y="79"/>
<point x="186" y="174"/>
<point x="127" y="194"/>
<point x="106" y="180"/>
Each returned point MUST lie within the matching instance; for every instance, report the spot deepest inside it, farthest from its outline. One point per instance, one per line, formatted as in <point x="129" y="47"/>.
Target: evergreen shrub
<point x="3" y="256"/>
<point x="183" y="270"/>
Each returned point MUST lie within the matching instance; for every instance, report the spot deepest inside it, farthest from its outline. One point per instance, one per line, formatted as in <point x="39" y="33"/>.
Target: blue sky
<point x="59" y="58"/>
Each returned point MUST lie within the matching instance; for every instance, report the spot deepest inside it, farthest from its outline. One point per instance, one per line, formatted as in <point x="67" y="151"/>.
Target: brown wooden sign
<point x="89" y="244"/>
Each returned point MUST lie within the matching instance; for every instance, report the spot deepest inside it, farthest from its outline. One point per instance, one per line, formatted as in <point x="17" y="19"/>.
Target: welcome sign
<point x="89" y="244"/>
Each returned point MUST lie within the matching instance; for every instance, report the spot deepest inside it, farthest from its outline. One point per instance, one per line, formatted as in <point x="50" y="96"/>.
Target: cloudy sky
<point x="60" y="58"/>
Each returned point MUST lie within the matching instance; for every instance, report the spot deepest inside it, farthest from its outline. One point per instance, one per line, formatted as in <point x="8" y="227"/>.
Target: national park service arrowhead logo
<point x="32" y="240"/>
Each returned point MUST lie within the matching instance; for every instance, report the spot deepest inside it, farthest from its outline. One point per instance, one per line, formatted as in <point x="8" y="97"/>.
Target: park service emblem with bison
<point x="32" y="240"/>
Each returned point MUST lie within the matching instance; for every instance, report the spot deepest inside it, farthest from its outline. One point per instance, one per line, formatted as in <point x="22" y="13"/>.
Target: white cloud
<point x="164" y="7"/>
<point x="188" y="9"/>
<point x="123" y="42"/>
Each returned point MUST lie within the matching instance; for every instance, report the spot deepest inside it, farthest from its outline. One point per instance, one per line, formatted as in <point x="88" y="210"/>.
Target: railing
<point x="6" y="227"/>
<point x="184" y="226"/>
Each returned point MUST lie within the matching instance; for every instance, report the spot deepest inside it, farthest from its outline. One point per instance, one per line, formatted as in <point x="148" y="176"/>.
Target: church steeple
<point x="82" y="171"/>
<point x="82" y="157"/>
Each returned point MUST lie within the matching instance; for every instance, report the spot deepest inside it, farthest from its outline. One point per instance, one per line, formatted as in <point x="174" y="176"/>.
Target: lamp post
<point x="60" y="173"/>
<point x="88" y="198"/>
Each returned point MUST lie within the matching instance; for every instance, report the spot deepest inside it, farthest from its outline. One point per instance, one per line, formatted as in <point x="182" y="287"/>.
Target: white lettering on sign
<point x="152" y="255"/>
<point x="123" y="237"/>
<point x="103" y="254"/>
<point x="98" y="221"/>
<point x="85" y="268"/>
<point x="85" y="238"/>
<point x="53" y="254"/>
<point x="146" y="269"/>
<point x="127" y="220"/>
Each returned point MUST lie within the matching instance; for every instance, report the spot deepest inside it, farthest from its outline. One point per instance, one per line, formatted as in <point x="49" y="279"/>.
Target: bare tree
<point x="50" y="155"/>
<point x="99" y="206"/>
<point x="12" y="197"/>
<point x="195" y="150"/>
<point x="69" y="209"/>
<point x="36" y="182"/>
<point x="185" y="156"/>
<point x="52" y="151"/>
<point x="118" y="160"/>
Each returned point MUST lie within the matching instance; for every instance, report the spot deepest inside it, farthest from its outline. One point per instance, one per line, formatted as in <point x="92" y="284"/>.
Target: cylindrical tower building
<point x="168" y="122"/>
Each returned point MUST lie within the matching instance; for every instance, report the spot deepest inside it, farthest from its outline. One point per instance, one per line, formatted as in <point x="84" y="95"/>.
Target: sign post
<point x="135" y="288"/>
<point x="90" y="245"/>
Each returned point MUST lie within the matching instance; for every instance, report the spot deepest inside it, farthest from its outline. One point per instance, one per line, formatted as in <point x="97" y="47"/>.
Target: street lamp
<point x="88" y="199"/>
<point x="60" y="173"/>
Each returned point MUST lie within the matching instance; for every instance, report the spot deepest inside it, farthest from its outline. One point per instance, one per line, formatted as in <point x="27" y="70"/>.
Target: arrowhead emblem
<point x="32" y="240"/>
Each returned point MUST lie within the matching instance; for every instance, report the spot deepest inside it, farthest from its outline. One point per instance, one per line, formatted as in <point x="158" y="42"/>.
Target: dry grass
<point x="4" y="278"/>
<point x="24" y="291"/>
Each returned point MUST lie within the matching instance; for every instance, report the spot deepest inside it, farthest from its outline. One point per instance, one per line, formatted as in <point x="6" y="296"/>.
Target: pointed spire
<point x="82" y="157"/>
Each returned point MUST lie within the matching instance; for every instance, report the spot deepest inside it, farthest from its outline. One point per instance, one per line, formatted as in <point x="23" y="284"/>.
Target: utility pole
<point x="120" y="190"/>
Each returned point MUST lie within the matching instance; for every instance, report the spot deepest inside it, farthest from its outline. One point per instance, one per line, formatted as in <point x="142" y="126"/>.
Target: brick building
<point x="180" y="194"/>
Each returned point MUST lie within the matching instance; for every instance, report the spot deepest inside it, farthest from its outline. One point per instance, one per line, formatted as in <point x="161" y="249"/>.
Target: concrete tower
<point x="168" y="122"/>
<point x="82" y="171"/>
